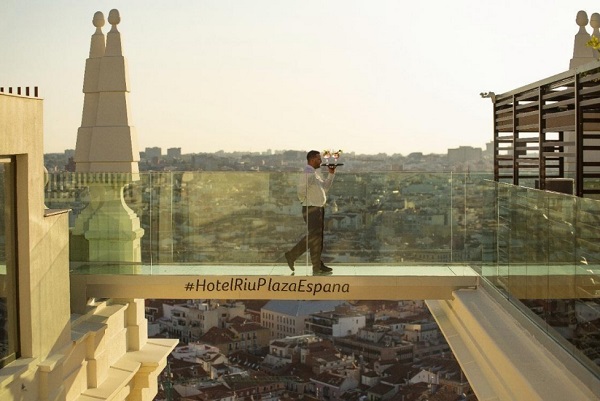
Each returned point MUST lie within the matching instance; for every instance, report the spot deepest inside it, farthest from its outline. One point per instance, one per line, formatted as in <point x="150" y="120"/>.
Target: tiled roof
<point x="255" y="305"/>
<point x="215" y="392"/>
<point x="327" y="357"/>
<point x="237" y="320"/>
<point x="300" y="308"/>
<point x="330" y="379"/>
<point x="400" y="370"/>
<point x="247" y="326"/>
<point x="217" y="335"/>
<point x="394" y="380"/>
<point x="319" y="346"/>
<point x="381" y="389"/>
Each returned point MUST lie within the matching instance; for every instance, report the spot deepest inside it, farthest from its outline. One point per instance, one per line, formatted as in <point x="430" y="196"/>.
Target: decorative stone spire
<point x="107" y="229"/>
<point x="595" y="24"/>
<point x="106" y="141"/>
<point x="582" y="53"/>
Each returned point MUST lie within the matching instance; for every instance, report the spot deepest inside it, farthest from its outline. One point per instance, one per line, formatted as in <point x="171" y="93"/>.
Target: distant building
<point x="464" y="154"/>
<point x="381" y="391"/>
<point x="199" y="353"/>
<point x="287" y="351"/>
<point x="252" y="386"/>
<point x="191" y="320"/>
<point x="331" y="386"/>
<point x="421" y="331"/>
<point x="287" y="318"/>
<point x="373" y="345"/>
<point x="247" y="336"/>
<point x="253" y="308"/>
<point x="150" y="153"/>
<point x="174" y="152"/>
<point x="441" y="371"/>
<point x="335" y="324"/>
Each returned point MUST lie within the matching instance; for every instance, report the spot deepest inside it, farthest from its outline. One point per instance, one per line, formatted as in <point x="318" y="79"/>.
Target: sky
<point x="364" y="76"/>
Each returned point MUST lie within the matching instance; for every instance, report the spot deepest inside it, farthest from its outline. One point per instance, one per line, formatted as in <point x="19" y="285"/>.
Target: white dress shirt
<point x="312" y="188"/>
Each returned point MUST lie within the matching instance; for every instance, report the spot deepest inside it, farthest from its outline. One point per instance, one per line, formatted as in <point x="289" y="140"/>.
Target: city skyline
<point x="236" y="76"/>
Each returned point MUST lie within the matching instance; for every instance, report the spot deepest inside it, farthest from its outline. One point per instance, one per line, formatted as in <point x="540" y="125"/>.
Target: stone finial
<point x="582" y="53"/>
<point x="97" y="44"/>
<point x="98" y="20"/>
<point x="595" y="24"/>
<point x="114" y="18"/>
<point x="581" y="20"/>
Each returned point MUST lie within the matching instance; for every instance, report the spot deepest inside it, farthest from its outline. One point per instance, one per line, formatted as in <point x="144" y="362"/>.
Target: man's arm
<point x="329" y="180"/>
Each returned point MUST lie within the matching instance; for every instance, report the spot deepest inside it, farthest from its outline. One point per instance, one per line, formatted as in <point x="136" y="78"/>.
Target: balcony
<point x="389" y="235"/>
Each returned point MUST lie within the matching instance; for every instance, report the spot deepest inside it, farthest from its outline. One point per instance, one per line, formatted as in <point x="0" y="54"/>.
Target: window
<point x="8" y="263"/>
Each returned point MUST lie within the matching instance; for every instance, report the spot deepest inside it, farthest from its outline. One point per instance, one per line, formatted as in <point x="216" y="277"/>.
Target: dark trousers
<point x="314" y="217"/>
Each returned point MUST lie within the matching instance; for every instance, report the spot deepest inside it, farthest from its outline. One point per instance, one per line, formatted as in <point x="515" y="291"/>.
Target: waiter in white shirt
<point x="312" y="192"/>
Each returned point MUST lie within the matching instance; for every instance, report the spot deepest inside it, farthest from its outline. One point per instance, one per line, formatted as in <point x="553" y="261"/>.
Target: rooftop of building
<point x="304" y="308"/>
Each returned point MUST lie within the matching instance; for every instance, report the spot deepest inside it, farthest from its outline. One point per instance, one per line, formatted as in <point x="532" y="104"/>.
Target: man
<point x="312" y="192"/>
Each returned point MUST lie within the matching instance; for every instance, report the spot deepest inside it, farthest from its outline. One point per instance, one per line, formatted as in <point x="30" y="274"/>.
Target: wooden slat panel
<point x="527" y="106"/>
<point x="560" y="129"/>
<point x="529" y="95"/>
<point x="528" y="127"/>
<point x="590" y="102"/>
<point x="556" y="114"/>
<point x="503" y="119"/>
<point x="556" y="154"/>
<point x="558" y="143"/>
<point x="589" y="77"/>
<point x="559" y="95"/>
<point x="589" y="90"/>
<point x="528" y="114"/>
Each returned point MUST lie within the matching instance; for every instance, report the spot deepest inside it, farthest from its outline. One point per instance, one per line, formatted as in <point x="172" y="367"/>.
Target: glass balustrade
<point x="215" y="218"/>
<point x="548" y="252"/>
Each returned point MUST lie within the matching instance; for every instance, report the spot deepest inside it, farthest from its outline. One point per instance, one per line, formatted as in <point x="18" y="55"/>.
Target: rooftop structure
<point x="546" y="134"/>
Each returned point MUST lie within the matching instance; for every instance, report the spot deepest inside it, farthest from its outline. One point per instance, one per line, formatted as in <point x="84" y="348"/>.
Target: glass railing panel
<point x="499" y="222"/>
<point x="216" y="217"/>
<point x="547" y="252"/>
<point x="246" y="218"/>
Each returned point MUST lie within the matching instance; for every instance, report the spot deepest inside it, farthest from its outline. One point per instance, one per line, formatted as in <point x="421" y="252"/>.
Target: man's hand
<point x="331" y="169"/>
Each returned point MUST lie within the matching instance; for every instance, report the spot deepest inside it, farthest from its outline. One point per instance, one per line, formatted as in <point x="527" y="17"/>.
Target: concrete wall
<point x="103" y="352"/>
<point x="42" y="239"/>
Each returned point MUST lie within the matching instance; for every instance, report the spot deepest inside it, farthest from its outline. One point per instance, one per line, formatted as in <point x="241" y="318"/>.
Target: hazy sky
<point x="389" y="76"/>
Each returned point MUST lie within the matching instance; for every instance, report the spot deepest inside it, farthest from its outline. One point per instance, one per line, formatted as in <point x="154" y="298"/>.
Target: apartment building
<point x="288" y="319"/>
<point x="335" y="324"/>
<point x="189" y="321"/>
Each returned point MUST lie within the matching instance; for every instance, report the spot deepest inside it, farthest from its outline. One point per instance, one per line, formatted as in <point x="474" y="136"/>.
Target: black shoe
<point x="325" y="268"/>
<point x="289" y="260"/>
<point x="319" y="272"/>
